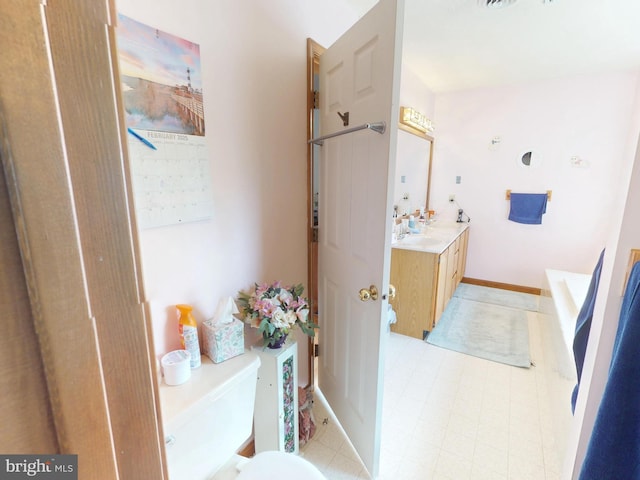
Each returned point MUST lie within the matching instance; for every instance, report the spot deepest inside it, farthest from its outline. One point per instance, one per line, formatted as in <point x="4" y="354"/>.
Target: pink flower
<point x="299" y="303"/>
<point x="282" y="307"/>
<point x="261" y="289"/>
<point x="265" y="307"/>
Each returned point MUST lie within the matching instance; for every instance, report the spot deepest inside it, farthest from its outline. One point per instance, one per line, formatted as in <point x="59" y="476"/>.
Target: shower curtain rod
<point x="379" y="127"/>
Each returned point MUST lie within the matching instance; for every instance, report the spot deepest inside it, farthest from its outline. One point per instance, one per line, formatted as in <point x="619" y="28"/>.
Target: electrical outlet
<point x="452" y="198"/>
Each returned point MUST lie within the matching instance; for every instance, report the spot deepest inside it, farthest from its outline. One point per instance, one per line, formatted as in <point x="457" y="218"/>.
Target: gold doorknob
<point x="368" y="293"/>
<point x="392" y="292"/>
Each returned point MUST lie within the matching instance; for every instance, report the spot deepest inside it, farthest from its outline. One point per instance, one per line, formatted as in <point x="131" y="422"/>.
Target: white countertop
<point x="435" y="238"/>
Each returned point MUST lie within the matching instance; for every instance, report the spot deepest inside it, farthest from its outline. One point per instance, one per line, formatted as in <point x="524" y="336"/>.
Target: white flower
<point x="275" y="301"/>
<point x="302" y="314"/>
<point x="279" y="319"/>
<point x="285" y="297"/>
<point x="291" y="318"/>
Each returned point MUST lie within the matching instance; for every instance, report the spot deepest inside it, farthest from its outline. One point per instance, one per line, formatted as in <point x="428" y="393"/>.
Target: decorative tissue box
<point x="223" y="341"/>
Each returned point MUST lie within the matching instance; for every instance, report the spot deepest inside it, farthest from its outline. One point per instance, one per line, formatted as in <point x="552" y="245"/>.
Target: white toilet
<point x="208" y="418"/>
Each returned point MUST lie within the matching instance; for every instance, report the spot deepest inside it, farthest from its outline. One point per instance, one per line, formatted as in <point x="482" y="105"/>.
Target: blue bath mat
<point x="485" y="330"/>
<point x="498" y="296"/>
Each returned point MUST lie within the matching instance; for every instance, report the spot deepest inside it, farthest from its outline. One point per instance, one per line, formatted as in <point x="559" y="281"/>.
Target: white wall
<point x="253" y="57"/>
<point x="587" y="117"/>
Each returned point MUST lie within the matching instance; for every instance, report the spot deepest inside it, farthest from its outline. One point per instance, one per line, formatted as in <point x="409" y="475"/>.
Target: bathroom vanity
<point x="426" y="268"/>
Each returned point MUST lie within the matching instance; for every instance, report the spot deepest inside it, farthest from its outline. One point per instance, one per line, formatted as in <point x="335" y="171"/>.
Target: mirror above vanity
<point x="414" y="156"/>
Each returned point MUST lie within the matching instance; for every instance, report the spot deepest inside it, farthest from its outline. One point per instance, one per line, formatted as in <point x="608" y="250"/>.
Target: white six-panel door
<point x="359" y="74"/>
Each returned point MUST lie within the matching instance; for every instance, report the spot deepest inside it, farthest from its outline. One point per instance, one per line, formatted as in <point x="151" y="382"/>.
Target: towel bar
<point x="548" y="195"/>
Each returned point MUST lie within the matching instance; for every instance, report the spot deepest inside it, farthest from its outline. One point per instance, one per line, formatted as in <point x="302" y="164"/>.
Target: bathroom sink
<point x="444" y="226"/>
<point x="435" y="238"/>
<point x="418" y="240"/>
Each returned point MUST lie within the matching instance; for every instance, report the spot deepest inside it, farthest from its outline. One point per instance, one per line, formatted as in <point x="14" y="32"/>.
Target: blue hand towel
<point x="528" y="207"/>
<point x="614" y="446"/>
<point x="583" y="326"/>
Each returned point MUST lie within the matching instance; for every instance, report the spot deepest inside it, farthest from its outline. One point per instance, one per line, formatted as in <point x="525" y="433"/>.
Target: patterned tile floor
<point x="450" y="416"/>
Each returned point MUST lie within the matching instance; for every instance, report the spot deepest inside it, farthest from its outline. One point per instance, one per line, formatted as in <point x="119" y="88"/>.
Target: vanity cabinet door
<point x="462" y="256"/>
<point x="452" y="264"/>
<point x="440" y="301"/>
<point x="414" y="274"/>
<point x="452" y="269"/>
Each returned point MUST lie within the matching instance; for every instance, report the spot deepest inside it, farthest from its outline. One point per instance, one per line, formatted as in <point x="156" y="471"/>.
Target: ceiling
<point x="457" y="45"/>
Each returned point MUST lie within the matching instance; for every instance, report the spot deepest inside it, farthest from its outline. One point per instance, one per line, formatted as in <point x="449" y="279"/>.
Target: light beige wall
<point x="253" y="57"/>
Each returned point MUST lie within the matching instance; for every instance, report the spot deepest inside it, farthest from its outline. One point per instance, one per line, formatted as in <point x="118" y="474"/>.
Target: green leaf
<point x="298" y="289"/>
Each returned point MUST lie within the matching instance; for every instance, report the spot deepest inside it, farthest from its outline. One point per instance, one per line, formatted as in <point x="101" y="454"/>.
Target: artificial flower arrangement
<point x="274" y="310"/>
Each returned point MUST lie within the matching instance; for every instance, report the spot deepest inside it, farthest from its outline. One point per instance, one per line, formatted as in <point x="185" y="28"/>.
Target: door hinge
<point x="316" y="350"/>
<point x="314" y="235"/>
<point x="316" y="99"/>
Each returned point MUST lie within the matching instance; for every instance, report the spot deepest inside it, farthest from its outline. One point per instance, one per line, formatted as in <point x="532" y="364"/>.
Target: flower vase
<point x="276" y="342"/>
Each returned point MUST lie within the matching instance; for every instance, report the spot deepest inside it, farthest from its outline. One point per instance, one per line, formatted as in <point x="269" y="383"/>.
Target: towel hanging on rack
<point x="613" y="451"/>
<point x="583" y="326"/>
<point x="527" y="207"/>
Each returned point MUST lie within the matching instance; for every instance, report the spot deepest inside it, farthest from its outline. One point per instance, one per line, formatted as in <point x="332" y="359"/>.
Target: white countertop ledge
<point x="436" y="237"/>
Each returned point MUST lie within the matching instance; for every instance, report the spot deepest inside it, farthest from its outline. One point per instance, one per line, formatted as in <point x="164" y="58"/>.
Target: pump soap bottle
<point x="188" y="329"/>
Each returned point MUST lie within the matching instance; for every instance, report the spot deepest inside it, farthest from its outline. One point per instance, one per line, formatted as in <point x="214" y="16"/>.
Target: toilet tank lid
<point x="206" y="384"/>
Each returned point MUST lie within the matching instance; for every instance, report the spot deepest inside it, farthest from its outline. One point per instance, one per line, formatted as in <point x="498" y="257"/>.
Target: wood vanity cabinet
<point x="425" y="283"/>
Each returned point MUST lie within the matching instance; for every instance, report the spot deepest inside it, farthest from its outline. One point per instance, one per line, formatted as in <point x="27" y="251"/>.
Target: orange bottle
<point x="188" y="329"/>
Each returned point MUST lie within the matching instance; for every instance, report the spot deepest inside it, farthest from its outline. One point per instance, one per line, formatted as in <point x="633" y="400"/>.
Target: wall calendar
<point x="171" y="183"/>
<point x="161" y="83"/>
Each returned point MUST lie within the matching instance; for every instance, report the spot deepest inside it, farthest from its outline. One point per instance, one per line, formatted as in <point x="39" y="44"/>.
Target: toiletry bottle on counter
<point x="188" y="329"/>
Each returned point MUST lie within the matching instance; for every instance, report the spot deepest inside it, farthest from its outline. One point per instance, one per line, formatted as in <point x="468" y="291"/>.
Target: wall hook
<point x="345" y="118"/>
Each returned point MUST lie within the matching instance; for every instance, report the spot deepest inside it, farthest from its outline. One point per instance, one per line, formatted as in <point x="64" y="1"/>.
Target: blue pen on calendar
<point x="142" y="139"/>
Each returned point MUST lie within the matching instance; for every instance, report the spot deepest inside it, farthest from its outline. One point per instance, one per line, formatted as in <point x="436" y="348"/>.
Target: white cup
<point x="176" y="366"/>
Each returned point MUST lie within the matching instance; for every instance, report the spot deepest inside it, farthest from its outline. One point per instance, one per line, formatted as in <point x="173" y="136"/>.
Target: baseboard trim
<point x="504" y="286"/>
